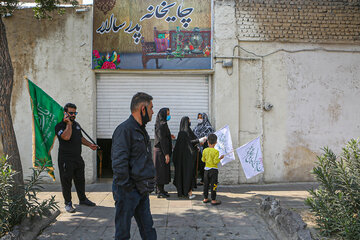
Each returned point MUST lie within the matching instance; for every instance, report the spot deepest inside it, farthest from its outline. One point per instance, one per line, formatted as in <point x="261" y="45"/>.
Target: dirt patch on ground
<point x="310" y="220"/>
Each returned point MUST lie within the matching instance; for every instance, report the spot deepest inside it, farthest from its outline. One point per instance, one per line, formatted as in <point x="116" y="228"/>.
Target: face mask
<point x="145" y="119"/>
<point x="168" y="118"/>
<point x="200" y="121"/>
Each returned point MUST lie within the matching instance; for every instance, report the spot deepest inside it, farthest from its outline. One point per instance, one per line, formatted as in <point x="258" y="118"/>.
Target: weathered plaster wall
<point x="225" y="87"/>
<point x="315" y="94"/>
<point x="56" y="55"/>
<point x="315" y="89"/>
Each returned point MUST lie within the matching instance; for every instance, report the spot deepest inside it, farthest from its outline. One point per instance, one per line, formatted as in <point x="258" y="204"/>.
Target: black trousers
<point x="71" y="169"/>
<point x="210" y="177"/>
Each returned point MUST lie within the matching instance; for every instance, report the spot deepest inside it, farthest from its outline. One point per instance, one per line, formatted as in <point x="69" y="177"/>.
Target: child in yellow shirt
<point x="211" y="158"/>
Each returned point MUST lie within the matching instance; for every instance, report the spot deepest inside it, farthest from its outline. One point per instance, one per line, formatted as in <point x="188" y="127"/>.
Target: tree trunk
<point x="7" y="133"/>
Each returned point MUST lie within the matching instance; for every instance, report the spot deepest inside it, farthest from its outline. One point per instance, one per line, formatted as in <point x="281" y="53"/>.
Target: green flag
<point x="46" y="114"/>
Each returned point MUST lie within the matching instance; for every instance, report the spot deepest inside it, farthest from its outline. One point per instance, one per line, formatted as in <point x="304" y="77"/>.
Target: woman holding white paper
<point x="202" y="129"/>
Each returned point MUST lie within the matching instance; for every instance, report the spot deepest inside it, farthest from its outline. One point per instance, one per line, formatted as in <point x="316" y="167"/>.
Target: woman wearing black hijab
<point x="162" y="151"/>
<point x="184" y="158"/>
<point x="202" y="129"/>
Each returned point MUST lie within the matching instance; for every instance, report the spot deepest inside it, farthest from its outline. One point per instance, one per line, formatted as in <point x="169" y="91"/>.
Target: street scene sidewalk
<point x="177" y="218"/>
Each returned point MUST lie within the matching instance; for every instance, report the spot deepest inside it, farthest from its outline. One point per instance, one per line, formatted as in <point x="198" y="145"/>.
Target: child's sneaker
<point x="69" y="208"/>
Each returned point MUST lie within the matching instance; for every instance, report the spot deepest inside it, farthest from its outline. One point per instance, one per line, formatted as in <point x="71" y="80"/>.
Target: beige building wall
<point x="314" y="94"/>
<point x="226" y="86"/>
<point x="314" y="89"/>
<point x="55" y="55"/>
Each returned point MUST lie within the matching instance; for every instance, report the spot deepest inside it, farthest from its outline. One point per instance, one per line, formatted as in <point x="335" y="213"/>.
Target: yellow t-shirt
<point x="210" y="157"/>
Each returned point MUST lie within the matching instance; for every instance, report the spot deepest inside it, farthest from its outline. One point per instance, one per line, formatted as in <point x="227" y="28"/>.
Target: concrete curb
<point x="29" y="229"/>
<point x="286" y="224"/>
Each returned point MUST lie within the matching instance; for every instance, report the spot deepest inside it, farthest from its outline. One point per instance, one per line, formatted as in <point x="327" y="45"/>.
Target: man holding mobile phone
<point x="71" y="164"/>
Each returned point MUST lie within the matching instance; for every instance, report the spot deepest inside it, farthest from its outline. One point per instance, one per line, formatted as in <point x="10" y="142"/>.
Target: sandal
<point x="216" y="203"/>
<point x="206" y="201"/>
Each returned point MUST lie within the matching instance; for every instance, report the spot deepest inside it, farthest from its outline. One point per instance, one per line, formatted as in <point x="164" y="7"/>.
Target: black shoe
<point x="162" y="195"/>
<point x="166" y="194"/>
<point x="87" y="202"/>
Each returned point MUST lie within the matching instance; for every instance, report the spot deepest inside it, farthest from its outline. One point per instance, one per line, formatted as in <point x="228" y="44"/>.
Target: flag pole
<point x="197" y="164"/>
<point x="99" y="152"/>
<point x="90" y="138"/>
<point x="229" y="153"/>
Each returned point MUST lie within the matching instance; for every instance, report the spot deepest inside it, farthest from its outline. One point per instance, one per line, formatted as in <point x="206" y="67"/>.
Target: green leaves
<point x="8" y="6"/>
<point x="336" y="202"/>
<point x="42" y="9"/>
<point x="14" y="208"/>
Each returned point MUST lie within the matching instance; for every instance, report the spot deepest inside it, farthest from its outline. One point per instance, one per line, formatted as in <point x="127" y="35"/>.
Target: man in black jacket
<point x="134" y="170"/>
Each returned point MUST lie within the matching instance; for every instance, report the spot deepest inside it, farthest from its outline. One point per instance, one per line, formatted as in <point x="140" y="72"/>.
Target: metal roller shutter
<point x="184" y="95"/>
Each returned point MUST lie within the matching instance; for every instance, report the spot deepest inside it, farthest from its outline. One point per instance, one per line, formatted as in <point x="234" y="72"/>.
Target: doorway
<point x="104" y="168"/>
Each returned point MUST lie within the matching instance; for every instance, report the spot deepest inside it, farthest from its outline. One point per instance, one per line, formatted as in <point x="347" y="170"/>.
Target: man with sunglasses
<point x="71" y="164"/>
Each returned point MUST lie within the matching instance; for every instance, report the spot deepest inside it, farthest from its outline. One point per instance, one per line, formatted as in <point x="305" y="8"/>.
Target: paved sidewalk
<point x="175" y="218"/>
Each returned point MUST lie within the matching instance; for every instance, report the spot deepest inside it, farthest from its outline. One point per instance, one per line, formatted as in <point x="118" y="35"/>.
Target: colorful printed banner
<point x="46" y="114"/>
<point x="251" y="158"/>
<point x="224" y="145"/>
<point x="152" y="34"/>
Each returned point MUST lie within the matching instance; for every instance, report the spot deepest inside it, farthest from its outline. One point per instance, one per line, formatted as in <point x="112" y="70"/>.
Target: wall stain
<point x="334" y="110"/>
<point x="298" y="163"/>
<point x="24" y="32"/>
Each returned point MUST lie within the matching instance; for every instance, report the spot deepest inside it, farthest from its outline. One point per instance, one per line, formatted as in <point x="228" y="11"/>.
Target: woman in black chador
<point x="162" y="151"/>
<point x="202" y="129"/>
<point x="184" y="158"/>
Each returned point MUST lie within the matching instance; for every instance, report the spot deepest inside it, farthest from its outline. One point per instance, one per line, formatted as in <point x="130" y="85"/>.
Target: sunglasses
<point x="73" y="113"/>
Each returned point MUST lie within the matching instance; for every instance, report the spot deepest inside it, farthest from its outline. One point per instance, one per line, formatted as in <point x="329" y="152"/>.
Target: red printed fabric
<point x="161" y="44"/>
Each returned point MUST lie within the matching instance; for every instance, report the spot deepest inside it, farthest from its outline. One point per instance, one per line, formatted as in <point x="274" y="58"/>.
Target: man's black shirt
<point x="72" y="147"/>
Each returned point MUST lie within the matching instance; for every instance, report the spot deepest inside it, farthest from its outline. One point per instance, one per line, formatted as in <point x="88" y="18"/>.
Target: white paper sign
<point x="224" y="145"/>
<point x="251" y="158"/>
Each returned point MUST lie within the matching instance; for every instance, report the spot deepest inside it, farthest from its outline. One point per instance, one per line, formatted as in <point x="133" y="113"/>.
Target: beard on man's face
<point x="72" y="118"/>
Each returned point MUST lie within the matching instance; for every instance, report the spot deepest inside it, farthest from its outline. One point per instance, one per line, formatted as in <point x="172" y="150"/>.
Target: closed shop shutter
<point x="185" y="95"/>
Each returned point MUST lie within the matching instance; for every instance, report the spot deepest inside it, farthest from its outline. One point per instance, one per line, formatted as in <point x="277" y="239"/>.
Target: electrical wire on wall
<point x="226" y="64"/>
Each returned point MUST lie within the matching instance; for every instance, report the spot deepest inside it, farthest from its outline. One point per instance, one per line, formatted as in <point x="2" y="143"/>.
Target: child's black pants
<point x="210" y="177"/>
